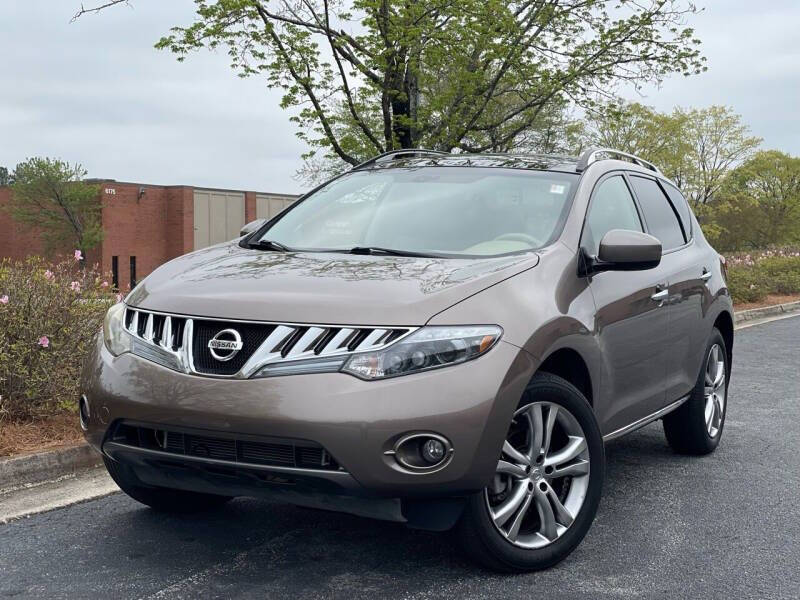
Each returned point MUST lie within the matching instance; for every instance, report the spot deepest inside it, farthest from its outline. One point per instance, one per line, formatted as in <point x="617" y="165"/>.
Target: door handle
<point x="706" y="275"/>
<point x="660" y="296"/>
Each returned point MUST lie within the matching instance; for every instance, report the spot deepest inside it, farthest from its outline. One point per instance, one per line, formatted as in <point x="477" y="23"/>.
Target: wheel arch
<point x="567" y="363"/>
<point x="724" y="323"/>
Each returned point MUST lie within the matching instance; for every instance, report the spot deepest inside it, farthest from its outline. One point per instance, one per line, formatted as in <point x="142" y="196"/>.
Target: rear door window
<point x="681" y="207"/>
<point x="661" y="219"/>
<point x="612" y="207"/>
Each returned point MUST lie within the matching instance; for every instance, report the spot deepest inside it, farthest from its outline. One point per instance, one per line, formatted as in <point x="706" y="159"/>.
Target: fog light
<point x="423" y="452"/>
<point x="433" y="451"/>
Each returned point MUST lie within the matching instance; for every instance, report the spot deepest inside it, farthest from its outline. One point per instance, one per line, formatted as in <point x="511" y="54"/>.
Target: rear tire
<point x="160" y="498"/>
<point x="695" y="428"/>
<point x="538" y="534"/>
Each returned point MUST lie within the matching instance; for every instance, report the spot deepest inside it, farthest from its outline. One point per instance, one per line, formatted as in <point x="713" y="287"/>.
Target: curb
<point x="767" y="311"/>
<point x="32" y="469"/>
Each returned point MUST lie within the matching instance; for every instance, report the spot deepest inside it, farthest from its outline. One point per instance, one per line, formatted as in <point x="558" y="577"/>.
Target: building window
<point x="133" y="272"/>
<point x="115" y="272"/>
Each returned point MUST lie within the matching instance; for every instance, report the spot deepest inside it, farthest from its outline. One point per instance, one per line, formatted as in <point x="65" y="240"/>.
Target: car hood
<point x="231" y="282"/>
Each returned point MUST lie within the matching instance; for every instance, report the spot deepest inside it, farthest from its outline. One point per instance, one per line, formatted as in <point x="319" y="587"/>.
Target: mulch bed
<point x="770" y="300"/>
<point x="35" y="436"/>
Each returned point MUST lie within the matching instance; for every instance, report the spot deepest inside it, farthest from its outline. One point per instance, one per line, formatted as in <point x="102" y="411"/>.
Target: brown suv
<point x="437" y="339"/>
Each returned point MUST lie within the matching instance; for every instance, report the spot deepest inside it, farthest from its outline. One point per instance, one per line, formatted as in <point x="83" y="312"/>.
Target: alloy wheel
<point x="714" y="390"/>
<point x="542" y="476"/>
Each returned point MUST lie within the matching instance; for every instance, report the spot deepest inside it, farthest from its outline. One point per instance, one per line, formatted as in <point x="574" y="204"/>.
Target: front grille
<point x="181" y="343"/>
<point x="253" y="335"/>
<point x="278" y="452"/>
<point x="162" y="331"/>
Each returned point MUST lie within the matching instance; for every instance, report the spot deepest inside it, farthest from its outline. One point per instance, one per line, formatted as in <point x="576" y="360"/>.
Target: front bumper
<point x="355" y="421"/>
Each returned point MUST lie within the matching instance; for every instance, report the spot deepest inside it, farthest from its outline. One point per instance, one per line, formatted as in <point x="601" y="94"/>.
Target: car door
<point x="631" y="319"/>
<point x="683" y="265"/>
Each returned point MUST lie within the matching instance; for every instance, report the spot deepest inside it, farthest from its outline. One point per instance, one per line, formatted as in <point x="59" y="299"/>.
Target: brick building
<point x="147" y="225"/>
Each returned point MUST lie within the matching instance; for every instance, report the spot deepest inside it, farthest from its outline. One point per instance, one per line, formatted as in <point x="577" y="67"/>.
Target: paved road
<point x="723" y="526"/>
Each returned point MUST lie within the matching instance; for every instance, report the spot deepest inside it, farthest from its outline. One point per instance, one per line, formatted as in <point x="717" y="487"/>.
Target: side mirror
<point x="624" y="250"/>
<point x="251" y="227"/>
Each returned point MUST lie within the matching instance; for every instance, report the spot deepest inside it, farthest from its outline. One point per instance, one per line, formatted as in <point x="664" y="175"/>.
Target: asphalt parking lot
<point x="722" y="526"/>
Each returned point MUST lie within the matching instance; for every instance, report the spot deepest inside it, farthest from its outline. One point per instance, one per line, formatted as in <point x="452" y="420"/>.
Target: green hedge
<point x="755" y="275"/>
<point x="49" y="315"/>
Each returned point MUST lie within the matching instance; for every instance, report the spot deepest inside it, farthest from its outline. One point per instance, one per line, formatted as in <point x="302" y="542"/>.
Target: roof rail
<point x="398" y="153"/>
<point x="590" y="156"/>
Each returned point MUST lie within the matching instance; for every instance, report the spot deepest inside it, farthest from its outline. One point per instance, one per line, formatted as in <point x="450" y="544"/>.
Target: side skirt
<point x="645" y="420"/>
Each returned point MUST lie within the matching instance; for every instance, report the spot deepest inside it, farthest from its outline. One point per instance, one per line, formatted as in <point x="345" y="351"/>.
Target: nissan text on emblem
<point x="225" y="344"/>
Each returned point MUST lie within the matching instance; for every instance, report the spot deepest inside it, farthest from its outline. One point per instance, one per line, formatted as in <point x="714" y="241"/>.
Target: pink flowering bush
<point x="754" y="275"/>
<point x="49" y="315"/>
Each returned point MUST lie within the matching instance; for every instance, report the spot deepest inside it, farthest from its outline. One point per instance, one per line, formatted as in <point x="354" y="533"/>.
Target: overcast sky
<point x="96" y="92"/>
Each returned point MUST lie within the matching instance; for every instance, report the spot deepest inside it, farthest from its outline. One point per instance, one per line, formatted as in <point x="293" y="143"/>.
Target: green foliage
<point x="51" y="195"/>
<point x="366" y="76"/>
<point x="641" y="130"/>
<point x="754" y="276"/>
<point x="696" y="148"/>
<point x="719" y="141"/>
<point x="49" y="317"/>
<point x="759" y="204"/>
<point x="5" y="178"/>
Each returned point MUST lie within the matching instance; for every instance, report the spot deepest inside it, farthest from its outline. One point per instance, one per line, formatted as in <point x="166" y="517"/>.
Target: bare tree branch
<point x="308" y="88"/>
<point x="97" y="9"/>
<point x="346" y="87"/>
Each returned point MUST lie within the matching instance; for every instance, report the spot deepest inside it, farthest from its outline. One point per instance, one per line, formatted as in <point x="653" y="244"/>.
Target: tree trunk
<point x="405" y="101"/>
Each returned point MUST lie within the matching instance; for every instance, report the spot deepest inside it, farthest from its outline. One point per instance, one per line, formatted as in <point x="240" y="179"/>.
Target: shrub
<point x="753" y="276"/>
<point x="49" y="315"/>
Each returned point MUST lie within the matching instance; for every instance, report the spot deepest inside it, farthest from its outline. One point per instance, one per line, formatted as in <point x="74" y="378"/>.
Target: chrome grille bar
<point x="305" y="345"/>
<point x="167" y="339"/>
<point x="339" y="342"/>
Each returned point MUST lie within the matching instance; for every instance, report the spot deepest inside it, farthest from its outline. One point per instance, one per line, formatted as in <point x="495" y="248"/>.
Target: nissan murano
<point x="442" y="340"/>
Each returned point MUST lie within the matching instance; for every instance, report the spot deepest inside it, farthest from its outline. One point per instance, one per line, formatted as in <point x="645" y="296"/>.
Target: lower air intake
<point x="279" y="452"/>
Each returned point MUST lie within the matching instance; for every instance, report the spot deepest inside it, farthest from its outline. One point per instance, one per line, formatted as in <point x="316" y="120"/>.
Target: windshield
<point x="431" y="210"/>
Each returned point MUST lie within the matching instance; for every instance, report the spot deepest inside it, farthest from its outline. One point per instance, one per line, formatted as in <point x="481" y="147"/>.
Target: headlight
<point x="425" y="349"/>
<point x="117" y="340"/>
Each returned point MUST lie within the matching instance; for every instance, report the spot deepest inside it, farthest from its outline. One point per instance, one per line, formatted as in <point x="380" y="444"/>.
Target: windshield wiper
<point x="269" y="245"/>
<point x="388" y="251"/>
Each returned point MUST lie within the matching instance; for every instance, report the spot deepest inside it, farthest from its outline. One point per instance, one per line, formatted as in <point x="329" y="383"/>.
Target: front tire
<point x="545" y="493"/>
<point x="696" y="426"/>
<point x="160" y="498"/>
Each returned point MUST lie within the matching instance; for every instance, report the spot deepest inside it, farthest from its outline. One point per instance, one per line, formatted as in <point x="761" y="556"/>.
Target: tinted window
<point x="658" y="213"/>
<point x="612" y="207"/>
<point x="681" y="206"/>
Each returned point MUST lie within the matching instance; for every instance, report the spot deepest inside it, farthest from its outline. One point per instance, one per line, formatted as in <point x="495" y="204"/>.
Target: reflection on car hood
<point x="228" y="281"/>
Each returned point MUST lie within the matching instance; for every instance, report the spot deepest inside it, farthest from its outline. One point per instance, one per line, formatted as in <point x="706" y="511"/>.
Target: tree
<point x="696" y="148"/>
<point x="51" y="195"/>
<point x="641" y="130"/>
<point x="5" y="178"/>
<point x="368" y="76"/>
<point x="719" y="141"/>
<point x="759" y="204"/>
